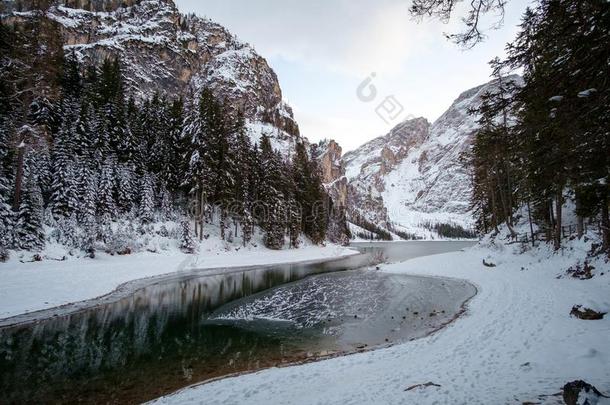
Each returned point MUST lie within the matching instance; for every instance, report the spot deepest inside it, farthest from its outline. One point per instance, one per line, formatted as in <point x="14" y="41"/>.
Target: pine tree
<point x="338" y="229"/>
<point x="111" y="98"/>
<point x="293" y="220"/>
<point x="275" y="223"/>
<point x="30" y="232"/>
<point x="311" y="195"/>
<point x="211" y="167"/>
<point x="106" y="205"/>
<point x="63" y="187"/>
<point x="196" y="131"/>
<point x="494" y="159"/>
<point x="83" y="133"/>
<point x="241" y="168"/>
<point x="253" y="178"/>
<point x="6" y="213"/>
<point x="87" y="208"/>
<point x="125" y="187"/>
<point x="157" y="139"/>
<point x="38" y="162"/>
<point x="177" y="163"/>
<point x="100" y="138"/>
<point x="147" y="204"/>
<point x="273" y="219"/>
<point x="129" y="143"/>
<point x="70" y="78"/>
<point x="165" y="203"/>
<point x="137" y="119"/>
<point x="187" y="245"/>
<point x="66" y="231"/>
<point x="6" y="219"/>
<point x="209" y="176"/>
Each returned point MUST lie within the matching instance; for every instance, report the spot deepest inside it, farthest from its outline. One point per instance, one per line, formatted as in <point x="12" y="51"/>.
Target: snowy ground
<point x="516" y="342"/>
<point x="27" y="287"/>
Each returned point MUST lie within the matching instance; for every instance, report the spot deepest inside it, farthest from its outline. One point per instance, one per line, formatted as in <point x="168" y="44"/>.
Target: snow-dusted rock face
<point x="328" y="153"/>
<point x="368" y="166"/>
<point x="414" y="174"/>
<point x="164" y="51"/>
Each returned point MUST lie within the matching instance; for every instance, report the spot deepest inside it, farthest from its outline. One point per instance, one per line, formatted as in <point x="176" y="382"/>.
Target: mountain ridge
<point x="411" y="179"/>
<point x="164" y="51"/>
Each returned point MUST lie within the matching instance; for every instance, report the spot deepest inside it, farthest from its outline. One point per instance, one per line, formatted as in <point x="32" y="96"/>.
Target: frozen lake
<point x="187" y="329"/>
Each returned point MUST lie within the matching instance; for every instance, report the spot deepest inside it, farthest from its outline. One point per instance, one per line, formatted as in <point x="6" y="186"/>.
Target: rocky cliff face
<point x="413" y="175"/>
<point x="328" y="153"/>
<point x="164" y="51"/>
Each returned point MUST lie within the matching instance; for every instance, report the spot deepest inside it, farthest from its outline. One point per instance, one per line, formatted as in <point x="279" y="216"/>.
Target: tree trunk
<point x="201" y="214"/>
<point x="494" y="210"/>
<point x="605" y="223"/>
<point x="510" y="228"/>
<point x="19" y="177"/>
<point x="580" y="226"/>
<point x="558" y="207"/>
<point x="222" y="223"/>
<point x="580" y="221"/>
<point x="529" y="217"/>
<point x="550" y="231"/>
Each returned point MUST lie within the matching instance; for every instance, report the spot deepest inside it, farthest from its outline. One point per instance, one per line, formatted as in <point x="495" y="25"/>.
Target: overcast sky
<point x="322" y="50"/>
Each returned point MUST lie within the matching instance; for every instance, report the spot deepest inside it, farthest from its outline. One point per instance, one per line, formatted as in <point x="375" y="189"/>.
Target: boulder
<point x="586" y="313"/>
<point x="581" y="393"/>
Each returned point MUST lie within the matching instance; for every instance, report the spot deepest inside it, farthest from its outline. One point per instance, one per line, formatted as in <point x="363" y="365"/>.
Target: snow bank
<point x="516" y="342"/>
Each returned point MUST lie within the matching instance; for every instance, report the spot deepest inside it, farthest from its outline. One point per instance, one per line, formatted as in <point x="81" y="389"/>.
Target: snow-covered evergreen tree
<point x="209" y="167"/>
<point x="88" y="183"/>
<point x="147" y="204"/>
<point x="177" y="160"/>
<point x="67" y="231"/>
<point x="126" y="189"/>
<point x="6" y="213"/>
<point x="271" y="196"/>
<point x="187" y="244"/>
<point x="29" y="228"/>
<point x="106" y="206"/>
<point x="64" y="182"/>
<point x="311" y="195"/>
<point x="165" y="203"/>
<point x="83" y="133"/>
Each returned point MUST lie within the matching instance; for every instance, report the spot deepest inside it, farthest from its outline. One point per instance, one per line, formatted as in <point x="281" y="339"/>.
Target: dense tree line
<point x="84" y="155"/>
<point x="247" y="183"/>
<point x="547" y="141"/>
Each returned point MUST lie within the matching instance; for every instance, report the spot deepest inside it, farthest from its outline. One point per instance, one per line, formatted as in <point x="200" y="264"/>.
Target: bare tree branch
<point x="443" y="10"/>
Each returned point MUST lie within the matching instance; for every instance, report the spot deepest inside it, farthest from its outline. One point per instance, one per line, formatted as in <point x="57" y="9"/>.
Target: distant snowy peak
<point x="457" y="121"/>
<point x="380" y="154"/>
<point x="164" y="51"/>
<point x="413" y="176"/>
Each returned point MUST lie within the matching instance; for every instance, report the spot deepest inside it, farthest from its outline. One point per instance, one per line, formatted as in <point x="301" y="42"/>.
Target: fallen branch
<point x="428" y="384"/>
<point x="61" y="259"/>
<point x="488" y="264"/>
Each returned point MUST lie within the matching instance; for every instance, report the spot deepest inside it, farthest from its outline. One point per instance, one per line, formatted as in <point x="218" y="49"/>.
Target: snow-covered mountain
<point x="164" y="51"/>
<point x="413" y="176"/>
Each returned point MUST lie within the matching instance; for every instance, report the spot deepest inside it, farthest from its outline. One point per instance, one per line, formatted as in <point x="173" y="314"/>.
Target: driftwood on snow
<point x="428" y="384"/>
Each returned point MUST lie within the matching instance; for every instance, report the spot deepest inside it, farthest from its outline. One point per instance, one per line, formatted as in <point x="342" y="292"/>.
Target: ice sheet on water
<point x="313" y="301"/>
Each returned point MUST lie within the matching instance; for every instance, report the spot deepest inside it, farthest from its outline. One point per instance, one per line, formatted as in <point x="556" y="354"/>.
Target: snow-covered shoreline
<point x="517" y="342"/>
<point x="38" y="286"/>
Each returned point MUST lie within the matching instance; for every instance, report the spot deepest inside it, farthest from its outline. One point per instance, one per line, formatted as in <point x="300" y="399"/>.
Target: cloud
<point x="347" y="36"/>
<point x="383" y="44"/>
